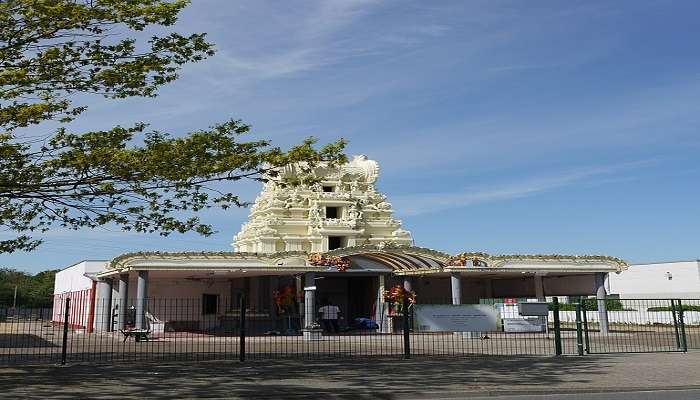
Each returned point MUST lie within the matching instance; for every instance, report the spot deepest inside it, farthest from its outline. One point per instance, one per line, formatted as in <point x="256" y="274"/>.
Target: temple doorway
<point x="355" y="295"/>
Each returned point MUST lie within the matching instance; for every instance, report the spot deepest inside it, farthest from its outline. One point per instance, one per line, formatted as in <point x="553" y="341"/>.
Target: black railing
<point x="220" y="328"/>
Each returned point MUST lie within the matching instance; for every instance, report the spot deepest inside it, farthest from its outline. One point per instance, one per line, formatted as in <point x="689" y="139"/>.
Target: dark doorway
<point x="355" y="295"/>
<point x="362" y="293"/>
<point x="335" y="242"/>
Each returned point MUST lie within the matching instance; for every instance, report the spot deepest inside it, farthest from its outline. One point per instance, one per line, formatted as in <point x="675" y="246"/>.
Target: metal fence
<point x="199" y="329"/>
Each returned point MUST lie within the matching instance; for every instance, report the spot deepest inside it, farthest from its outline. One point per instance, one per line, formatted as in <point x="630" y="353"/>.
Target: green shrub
<point x="686" y="307"/>
<point x="591" y="304"/>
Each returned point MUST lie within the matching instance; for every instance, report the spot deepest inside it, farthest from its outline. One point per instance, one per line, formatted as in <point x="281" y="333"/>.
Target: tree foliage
<point x="139" y="179"/>
<point x="33" y="291"/>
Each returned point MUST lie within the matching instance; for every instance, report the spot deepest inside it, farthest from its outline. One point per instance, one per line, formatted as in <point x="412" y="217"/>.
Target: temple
<point x="333" y="240"/>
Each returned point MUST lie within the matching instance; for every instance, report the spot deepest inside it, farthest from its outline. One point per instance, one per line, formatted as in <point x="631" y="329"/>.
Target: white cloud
<point x="418" y="204"/>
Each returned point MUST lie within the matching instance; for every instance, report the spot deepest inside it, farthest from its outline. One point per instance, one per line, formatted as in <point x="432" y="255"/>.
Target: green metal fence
<point x="236" y="332"/>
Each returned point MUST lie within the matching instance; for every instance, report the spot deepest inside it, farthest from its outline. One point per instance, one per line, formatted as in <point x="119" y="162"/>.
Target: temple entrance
<point x="355" y="295"/>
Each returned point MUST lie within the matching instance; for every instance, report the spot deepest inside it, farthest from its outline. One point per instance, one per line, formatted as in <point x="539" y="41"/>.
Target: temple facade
<point x="333" y="239"/>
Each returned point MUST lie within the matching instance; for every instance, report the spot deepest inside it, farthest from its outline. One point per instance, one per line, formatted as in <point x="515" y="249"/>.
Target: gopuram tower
<point x="342" y="209"/>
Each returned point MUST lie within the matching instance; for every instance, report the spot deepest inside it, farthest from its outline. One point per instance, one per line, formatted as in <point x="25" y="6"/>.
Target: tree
<point x="33" y="291"/>
<point x="52" y="50"/>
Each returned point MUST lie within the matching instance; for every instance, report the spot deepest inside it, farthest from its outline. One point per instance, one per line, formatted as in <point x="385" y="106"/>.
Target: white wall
<point x="73" y="279"/>
<point x="639" y="317"/>
<point x="652" y="281"/>
<point x="72" y="283"/>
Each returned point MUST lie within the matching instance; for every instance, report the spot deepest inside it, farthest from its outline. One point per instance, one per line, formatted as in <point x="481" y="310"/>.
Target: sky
<point x="503" y="127"/>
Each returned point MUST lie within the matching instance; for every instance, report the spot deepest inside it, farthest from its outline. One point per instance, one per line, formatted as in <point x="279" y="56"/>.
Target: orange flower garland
<point x="340" y="263"/>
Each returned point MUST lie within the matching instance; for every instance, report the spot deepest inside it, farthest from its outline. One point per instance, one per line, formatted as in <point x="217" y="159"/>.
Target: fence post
<point x="64" y="348"/>
<point x="681" y="320"/>
<point x="557" y="327"/>
<point x="406" y="328"/>
<point x="585" y="328"/>
<point x="241" y="339"/>
<point x="675" y="323"/>
<point x="579" y="330"/>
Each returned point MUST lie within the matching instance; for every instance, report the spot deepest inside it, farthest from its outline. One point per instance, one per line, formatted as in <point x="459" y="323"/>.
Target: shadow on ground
<point x="23" y="341"/>
<point x="352" y="379"/>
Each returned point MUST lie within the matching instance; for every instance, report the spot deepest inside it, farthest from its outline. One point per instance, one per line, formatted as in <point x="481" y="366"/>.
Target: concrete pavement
<point x="363" y="378"/>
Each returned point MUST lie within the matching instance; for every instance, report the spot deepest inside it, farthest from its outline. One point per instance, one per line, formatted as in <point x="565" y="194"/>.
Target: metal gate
<point x="632" y="326"/>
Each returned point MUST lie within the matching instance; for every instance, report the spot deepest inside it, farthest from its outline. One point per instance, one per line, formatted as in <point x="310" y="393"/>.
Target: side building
<point x="77" y="282"/>
<point x="663" y="280"/>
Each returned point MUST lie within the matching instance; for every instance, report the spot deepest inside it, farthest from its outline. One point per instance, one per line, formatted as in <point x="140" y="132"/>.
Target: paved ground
<point x="639" y="376"/>
<point x="680" y="394"/>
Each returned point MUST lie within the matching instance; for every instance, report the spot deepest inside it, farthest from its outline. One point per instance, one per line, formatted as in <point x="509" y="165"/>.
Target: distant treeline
<point x="35" y="291"/>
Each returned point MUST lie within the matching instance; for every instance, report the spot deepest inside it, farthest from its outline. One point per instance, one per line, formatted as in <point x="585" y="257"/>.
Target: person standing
<point x="330" y="314"/>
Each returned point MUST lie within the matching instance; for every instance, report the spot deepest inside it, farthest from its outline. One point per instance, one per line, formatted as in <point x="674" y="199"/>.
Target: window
<point x="335" y="242"/>
<point x="328" y="189"/>
<point x="210" y="303"/>
<point x="332" y="212"/>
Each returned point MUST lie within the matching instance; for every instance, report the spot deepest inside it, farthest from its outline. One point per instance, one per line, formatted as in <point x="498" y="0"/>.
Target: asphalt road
<point x="692" y="394"/>
<point x="667" y="376"/>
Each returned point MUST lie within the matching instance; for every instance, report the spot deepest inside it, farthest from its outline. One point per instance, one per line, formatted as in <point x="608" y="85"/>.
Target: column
<point x="381" y="312"/>
<point x="297" y="293"/>
<point x="141" y="297"/>
<point x="539" y="288"/>
<point x="103" y="306"/>
<point x="601" y="295"/>
<point x="273" y="287"/>
<point x="123" y="300"/>
<point x="539" y="293"/>
<point x="309" y="292"/>
<point x="456" y="281"/>
<point x="488" y="288"/>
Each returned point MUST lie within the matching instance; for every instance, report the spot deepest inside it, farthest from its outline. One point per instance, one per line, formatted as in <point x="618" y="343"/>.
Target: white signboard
<point x="524" y="324"/>
<point x="456" y="318"/>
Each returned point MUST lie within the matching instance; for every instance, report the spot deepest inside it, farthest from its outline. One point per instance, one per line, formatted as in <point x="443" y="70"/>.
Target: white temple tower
<point x="341" y="210"/>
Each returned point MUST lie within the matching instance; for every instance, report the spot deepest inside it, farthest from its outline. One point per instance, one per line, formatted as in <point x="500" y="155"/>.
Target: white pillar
<point x="123" y="300"/>
<point x="309" y="292"/>
<point x="141" y="298"/>
<point x="456" y="281"/>
<point x="601" y="295"/>
<point x="381" y="312"/>
<point x="539" y="288"/>
<point x="103" y="306"/>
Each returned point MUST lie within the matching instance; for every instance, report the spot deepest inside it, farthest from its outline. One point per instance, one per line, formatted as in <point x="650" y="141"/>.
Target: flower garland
<point x="284" y="299"/>
<point x="397" y="293"/>
<point x="460" y="260"/>
<point x="340" y="263"/>
<point x="395" y="297"/>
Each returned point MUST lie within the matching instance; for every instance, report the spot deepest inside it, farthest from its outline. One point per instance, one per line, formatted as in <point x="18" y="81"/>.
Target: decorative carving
<point x="354" y="182"/>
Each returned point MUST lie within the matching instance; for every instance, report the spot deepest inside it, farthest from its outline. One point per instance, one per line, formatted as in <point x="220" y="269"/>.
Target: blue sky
<point x="505" y="127"/>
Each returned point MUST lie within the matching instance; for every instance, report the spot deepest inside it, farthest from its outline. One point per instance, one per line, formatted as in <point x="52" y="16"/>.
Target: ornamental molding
<point x="389" y="247"/>
<point x="486" y="261"/>
<point x="123" y="261"/>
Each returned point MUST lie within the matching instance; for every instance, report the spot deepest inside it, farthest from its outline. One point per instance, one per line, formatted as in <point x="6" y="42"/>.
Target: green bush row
<point x="591" y="304"/>
<point x="686" y="307"/>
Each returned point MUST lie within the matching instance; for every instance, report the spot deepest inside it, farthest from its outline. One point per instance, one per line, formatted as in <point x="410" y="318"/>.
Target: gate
<point x="634" y="326"/>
